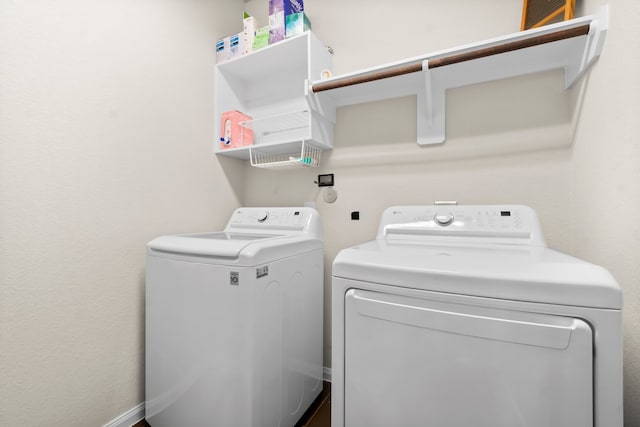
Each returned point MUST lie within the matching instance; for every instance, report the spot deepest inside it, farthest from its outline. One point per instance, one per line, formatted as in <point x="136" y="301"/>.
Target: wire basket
<point x="307" y="156"/>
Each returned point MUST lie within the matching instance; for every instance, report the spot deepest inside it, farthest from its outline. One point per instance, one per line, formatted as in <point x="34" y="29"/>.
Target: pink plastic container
<point x="231" y="133"/>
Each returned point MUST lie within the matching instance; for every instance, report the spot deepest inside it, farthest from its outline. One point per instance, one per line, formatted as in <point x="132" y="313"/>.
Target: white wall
<point x="571" y="155"/>
<point x="106" y="124"/>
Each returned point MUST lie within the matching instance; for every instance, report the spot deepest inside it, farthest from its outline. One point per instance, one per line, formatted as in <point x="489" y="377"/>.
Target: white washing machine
<point x="461" y="316"/>
<point x="234" y="322"/>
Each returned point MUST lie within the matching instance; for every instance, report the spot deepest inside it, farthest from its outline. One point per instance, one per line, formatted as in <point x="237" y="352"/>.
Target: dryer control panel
<point x="514" y="224"/>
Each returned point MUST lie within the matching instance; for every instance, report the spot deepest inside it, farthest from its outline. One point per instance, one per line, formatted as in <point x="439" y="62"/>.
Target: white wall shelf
<point x="572" y="45"/>
<point x="270" y="85"/>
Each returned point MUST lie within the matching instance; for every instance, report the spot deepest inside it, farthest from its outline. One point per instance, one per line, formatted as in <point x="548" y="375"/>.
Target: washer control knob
<point x="443" y="219"/>
<point x="262" y="216"/>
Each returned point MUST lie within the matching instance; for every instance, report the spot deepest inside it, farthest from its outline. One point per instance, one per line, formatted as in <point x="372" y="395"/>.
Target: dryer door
<point x="411" y="361"/>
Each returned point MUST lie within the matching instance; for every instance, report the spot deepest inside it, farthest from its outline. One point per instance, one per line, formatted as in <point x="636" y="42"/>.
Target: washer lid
<point x="512" y="272"/>
<point x="221" y="244"/>
<point x="232" y="248"/>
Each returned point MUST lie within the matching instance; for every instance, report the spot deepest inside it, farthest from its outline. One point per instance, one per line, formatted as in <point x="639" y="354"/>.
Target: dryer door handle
<point x="521" y="328"/>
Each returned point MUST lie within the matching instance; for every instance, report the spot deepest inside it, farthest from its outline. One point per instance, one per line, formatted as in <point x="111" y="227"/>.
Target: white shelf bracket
<point x="322" y="104"/>
<point x="597" y="33"/>
<point x="308" y="95"/>
<point x="428" y="90"/>
<point x="593" y="47"/>
<point x="430" y="110"/>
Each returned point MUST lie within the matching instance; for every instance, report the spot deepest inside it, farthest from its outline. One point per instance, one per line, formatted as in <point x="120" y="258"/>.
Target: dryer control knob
<point x="443" y="219"/>
<point x="262" y="216"/>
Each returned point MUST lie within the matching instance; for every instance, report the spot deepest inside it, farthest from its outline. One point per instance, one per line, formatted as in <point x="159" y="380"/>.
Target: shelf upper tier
<point x="270" y="59"/>
<point x="572" y="45"/>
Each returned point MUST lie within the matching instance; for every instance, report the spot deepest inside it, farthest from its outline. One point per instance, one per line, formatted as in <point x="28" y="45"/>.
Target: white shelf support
<point x="428" y="92"/>
<point x="430" y="110"/>
<point x="326" y="109"/>
<point x="593" y="47"/>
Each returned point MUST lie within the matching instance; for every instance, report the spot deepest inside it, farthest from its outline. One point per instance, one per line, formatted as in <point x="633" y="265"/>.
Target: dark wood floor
<point x="318" y="415"/>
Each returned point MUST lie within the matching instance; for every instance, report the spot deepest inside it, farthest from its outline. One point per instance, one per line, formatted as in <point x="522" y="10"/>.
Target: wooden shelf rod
<point x="453" y="59"/>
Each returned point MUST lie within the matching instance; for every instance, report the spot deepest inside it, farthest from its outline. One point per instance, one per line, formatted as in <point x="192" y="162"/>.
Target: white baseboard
<point x="129" y="418"/>
<point x="326" y="374"/>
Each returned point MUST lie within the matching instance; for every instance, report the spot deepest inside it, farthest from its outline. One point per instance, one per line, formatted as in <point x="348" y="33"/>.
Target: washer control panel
<point x="275" y="220"/>
<point x="262" y="216"/>
<point x="268" y="217"/>
<point x="513" y="223"/>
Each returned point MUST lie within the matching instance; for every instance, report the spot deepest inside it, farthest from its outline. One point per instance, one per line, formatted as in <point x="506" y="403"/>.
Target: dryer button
<point x="443" y="219"/>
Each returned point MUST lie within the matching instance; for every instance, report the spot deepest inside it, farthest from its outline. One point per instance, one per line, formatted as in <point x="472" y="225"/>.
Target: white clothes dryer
<point x="234" y="322"/>
<point x="461" y="316"/>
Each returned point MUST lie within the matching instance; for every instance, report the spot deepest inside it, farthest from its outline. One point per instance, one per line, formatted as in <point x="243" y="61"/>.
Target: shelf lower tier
<point x="305" y="156"/>
<point x="287" y="135"/>
<point x="276" y="149"/>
